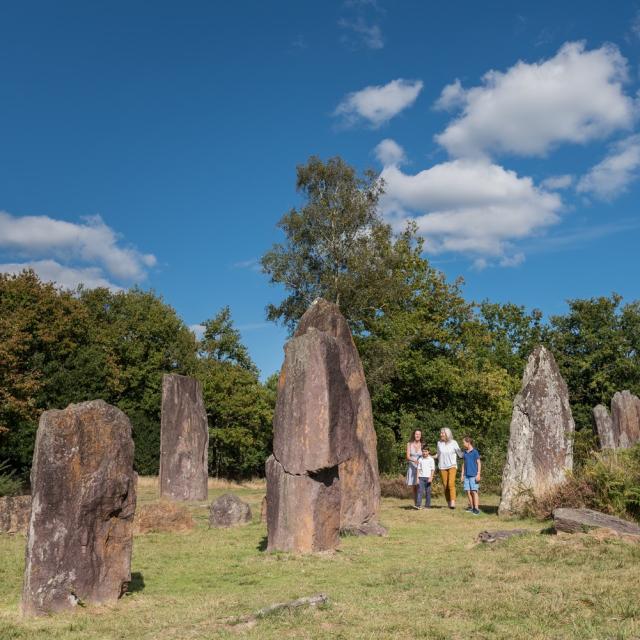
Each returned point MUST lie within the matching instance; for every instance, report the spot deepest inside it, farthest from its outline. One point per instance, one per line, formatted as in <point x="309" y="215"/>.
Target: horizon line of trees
<point x="431" y="357"/>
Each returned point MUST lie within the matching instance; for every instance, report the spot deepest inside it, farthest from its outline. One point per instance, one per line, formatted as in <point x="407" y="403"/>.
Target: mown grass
<point x="426" y="580"/>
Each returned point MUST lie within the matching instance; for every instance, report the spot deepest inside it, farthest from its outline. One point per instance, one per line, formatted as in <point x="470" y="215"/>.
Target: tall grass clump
<point x="10" y="485"/>
<point x="608" y="481"/>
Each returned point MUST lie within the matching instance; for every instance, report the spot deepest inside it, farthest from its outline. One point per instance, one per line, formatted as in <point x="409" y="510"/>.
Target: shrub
<point x="10" y="485"/>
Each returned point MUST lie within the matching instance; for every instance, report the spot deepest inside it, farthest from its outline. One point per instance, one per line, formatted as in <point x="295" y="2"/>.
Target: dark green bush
<point x="10" y="485"/>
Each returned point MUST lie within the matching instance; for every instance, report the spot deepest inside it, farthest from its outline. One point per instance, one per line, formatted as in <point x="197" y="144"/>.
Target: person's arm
<point x="409" y="452"/>
<point x="462" y="473"/>
<point x="457" y="449"/>
<point x="479" y="469"/>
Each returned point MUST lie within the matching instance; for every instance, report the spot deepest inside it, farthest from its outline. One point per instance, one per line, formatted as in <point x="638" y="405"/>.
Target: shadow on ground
<point x="136" y="583"/>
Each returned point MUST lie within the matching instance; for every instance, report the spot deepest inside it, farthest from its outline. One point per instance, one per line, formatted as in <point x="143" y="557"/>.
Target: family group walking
<point x="421" y="469"/>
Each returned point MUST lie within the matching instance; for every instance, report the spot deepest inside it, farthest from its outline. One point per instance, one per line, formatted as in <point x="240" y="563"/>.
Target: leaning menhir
<point x="540" y="442"/>
<point x="359" y="477"/>
<point x="84" y="496"/>
<point x="184" y="439"/>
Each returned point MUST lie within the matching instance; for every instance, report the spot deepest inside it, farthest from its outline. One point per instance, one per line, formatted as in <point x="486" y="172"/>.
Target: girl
<point x="414" y="453"/>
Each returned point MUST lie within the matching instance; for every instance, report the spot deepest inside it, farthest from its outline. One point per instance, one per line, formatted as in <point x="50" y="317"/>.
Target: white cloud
<point x="369" y="34"/>
<point x="378" y="104"/>
<point x="389" y="152"/>
<point x="471" y="207"/>
<point x="576" y="96"/>
<point x="453" y="95"/>
<point x="557" y="182"/>
<point x="619" y="168"/>
<point x="65" y="276"/>
<point x="90" y="241"/>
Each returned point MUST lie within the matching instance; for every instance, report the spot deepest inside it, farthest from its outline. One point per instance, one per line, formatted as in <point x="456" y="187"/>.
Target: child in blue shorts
<point x="471" y="467"/>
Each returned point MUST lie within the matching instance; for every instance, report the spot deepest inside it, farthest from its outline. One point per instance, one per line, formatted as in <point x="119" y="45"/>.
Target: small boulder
<point x="14" y="514"/>
<point x="583" y="520"/>
<point x="163" y="516"/>
<point x="489" y="537"/>
<point x="229" y="511"/>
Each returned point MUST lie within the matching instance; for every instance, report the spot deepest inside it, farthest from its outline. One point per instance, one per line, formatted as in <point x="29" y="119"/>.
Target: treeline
<point x="432" y="358"/>
<point x="59" y="347"/>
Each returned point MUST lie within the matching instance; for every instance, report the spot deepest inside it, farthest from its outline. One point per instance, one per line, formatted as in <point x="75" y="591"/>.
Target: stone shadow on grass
<point x="136" y="583"/>
<point x="262" y="545"/>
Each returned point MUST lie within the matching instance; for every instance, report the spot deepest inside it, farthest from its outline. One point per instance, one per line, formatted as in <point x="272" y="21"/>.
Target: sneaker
<point x="469" y="509"/>
<point x="415" y="506"/>
<point x="476" y="512"/>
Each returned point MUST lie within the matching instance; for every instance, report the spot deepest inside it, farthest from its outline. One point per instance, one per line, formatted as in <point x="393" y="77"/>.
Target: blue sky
<point x="157" y="143"/>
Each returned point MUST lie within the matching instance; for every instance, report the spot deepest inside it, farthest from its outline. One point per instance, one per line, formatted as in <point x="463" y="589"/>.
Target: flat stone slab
<point x="582" y="520"/>
<point x="497" y="536"/>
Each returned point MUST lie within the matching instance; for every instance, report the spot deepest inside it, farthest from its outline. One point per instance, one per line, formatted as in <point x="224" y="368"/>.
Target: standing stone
<point x="83" y="501"/>
<point x="314" y="433"/>
<point x="625" y="415"/>
<point x="184" y="440"/>
<point x="604" y="427"/>
<point x="540" y="442"/>
<point x="359" y="476"/>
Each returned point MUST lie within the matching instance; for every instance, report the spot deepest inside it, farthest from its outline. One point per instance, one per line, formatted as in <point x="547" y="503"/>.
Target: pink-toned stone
<point x="184" y="440"/>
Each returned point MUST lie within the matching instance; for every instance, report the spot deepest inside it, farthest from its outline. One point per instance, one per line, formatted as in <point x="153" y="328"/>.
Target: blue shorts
<point x="470" y="484"/>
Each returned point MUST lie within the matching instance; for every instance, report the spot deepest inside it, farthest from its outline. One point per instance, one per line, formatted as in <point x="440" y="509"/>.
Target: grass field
<point x="426" y="580"/>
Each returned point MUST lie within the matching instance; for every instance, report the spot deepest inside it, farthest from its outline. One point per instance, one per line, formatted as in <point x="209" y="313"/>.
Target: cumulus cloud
<point x="90" y="241"/>
<point x="65" y="276"/>
<point x="69" y="253"/>
<point x="575" y="97"/>
<point x="611" y="176"/>
<point x="470" y="206"/>
<point x="389" y="152"/>
<point x="378" y="104"/>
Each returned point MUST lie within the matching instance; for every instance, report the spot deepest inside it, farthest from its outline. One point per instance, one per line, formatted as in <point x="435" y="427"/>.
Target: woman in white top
<point x="414" y="453"/>
<point x="448" y="454"/>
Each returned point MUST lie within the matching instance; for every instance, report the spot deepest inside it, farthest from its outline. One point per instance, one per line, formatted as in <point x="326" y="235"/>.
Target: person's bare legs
<point x="475" y="499"/>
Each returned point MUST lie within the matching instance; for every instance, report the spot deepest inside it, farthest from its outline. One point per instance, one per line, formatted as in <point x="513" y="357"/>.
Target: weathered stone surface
<point x="625" y="416"/>
<point x="303" y="511"/>
<point x="604" y="427"/>
<point x="582" y="520"/>
<point x="489" y="537"/>
<point x="163" y="516"/>
<point x="359" y="477"/>
<point x="540" y="442"/>
<point x="84" y="496"/>
<point x="14" y="514"/>
<point x="314" y="422"/>
<point x="229" y="511"/>
<point x="371" y="528"/>
<point x="184" y="440"/>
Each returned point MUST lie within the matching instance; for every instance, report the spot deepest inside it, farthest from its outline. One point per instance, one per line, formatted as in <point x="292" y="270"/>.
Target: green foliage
<point x="338" y="248"/>
<point x="239" y="407"/>
<point x="613" y="477"/>
<point x="10" y="485"/>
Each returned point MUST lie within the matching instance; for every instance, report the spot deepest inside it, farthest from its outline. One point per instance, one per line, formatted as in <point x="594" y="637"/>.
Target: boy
<point x="426" y="469"/>
<point x="471" y="467"/>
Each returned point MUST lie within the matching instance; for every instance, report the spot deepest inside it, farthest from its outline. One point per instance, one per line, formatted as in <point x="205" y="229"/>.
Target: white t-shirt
<point x="426" y="466"/>
<point x="448" y="452"/>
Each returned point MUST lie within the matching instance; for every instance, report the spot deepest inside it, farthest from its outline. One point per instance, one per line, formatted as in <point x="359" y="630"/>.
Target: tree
<point x="239" y="408"/>
<point x="337" y="247"/>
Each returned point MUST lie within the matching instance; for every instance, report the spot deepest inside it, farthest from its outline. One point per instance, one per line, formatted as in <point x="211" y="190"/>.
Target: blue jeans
<point x="424" y="489"/>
